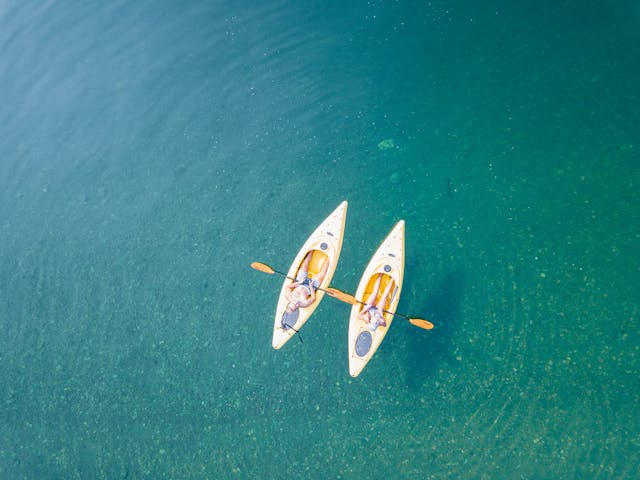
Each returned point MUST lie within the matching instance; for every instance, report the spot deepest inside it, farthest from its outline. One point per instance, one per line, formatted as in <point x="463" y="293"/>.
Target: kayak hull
<point x="388" y="261"/>
<point x="326" y="243"/>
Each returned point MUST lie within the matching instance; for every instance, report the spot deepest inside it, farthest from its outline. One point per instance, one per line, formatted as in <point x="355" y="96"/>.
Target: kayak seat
<point x="383" y="284"/>
<point x="317" y="260"/>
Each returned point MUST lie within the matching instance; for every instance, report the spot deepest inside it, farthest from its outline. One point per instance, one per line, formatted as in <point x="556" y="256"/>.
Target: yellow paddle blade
<point x="422" y="323"/>
<point x="345" y="297"/>
<point x="262" y="267"/>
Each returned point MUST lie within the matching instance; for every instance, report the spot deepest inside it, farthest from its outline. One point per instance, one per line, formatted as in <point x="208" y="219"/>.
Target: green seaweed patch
<point x="387" y="144"/>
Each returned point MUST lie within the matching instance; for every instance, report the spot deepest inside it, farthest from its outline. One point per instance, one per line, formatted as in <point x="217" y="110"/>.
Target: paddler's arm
<point x="288" y="295"/>
<point x="362" y="314"/>
<point x="309" y="300"/>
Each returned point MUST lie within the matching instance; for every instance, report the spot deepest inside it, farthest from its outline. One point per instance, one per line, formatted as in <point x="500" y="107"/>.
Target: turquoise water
<point x="152" y="150"/>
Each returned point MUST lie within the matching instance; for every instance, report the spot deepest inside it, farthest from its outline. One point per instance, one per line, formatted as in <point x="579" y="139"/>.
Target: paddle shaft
<point x="385" y="311"/>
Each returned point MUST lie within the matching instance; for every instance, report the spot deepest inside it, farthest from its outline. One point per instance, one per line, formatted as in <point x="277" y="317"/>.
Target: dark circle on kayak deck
<point x="324" y="246"/>
<point x="289" y="319"/>
<point x="387" y="268"/>
<point x="363" y="343"/>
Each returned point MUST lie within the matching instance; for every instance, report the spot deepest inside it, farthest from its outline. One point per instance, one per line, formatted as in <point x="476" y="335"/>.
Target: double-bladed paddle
<point x="345" y="297"/>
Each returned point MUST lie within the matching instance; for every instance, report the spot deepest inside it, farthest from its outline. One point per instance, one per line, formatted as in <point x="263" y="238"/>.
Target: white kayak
<point x="324" y="244"/>
<point x="387" y="265"/>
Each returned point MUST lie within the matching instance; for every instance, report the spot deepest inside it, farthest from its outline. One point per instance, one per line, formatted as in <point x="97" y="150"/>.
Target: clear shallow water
<point x="150" y="152"/>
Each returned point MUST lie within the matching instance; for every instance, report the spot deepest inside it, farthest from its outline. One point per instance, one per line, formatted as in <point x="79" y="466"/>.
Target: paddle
<point x="345" y="297"/>
<point x="267" y="269"/>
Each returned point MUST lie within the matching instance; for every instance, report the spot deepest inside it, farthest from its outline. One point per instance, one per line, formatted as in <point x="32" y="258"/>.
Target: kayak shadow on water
<point x="426" y="350"/>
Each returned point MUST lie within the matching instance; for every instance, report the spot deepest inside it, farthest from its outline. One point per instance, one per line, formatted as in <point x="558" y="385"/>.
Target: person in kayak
<point x="302" y="292"/>
<point x="372" y="313"/>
